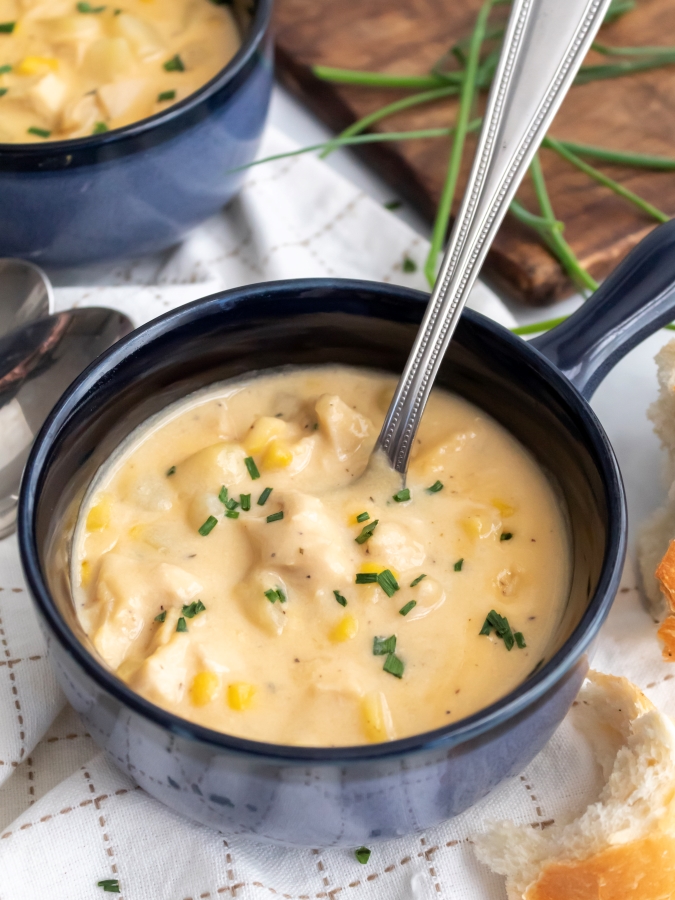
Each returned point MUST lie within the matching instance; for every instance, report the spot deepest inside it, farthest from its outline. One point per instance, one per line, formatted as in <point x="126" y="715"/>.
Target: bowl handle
<point x="635" y="300"/>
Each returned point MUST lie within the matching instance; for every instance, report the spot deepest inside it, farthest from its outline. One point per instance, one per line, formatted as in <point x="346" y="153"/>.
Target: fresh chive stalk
<point x="417" y="580"/>
<point x="404" y="610"/>
<point x="366" y="532"/>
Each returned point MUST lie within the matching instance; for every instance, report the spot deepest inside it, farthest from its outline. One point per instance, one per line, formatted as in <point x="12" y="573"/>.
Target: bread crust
<point x="665" y="575"/>
<point x="640" y="870"/>
<point x="622" y="847"/>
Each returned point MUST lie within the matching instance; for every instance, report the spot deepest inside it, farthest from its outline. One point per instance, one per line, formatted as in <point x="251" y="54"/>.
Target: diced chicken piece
<point x="440" y="458"/>
<point x="149" y="491"/>
<point x="307" y="541"/>
<point x="162" y="676"/>
<point x="74" y="29"/>
<point x="119" y="600"/>
<point x="141" y="36"/>
<point x="80" y="114"/>
<point x="267" y="612"/>
<point x="118" y="97"/>
<point x="48" y="97"/>
<point x="347" y="430"/>
<point x="201" y="507"/>
<point x="209" y="469"/>
<point x="429" y="595"/>
<point x="127" y="594"/>
<point x="109" y="59"/>
<point x="176" y="583"/>
<point x="392" y="543"/>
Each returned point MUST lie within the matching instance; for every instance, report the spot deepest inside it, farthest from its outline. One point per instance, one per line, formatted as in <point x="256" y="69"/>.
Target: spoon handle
<point x="544" y="45"/>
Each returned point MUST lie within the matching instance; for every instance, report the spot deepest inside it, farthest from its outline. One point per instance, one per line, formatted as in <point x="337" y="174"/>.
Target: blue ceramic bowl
<point x="138" y="189"/>
<point x="347" y="796"/>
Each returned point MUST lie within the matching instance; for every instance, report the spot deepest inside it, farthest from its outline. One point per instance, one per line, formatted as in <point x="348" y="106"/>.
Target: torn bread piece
<point x="659" y="529"/>
<point x="622" y="846"/>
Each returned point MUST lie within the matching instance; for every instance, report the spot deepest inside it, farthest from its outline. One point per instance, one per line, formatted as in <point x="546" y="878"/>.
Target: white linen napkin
<point x="68" y="819"/>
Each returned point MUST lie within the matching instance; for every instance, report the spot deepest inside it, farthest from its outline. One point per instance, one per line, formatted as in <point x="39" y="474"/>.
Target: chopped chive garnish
<point x="458" y="565"/>
<point x="435" y="487"/>
<point x="161" y="617"/>
<point x="362" y="855"/>
<point x="520" y="640"/>
<point x="274" y="595"/>
<point x="191" y="610"/>
<point x="5" y="69"/>
<point x="40" y="132"/>
<point x="3" y="91"/>
<point x="262" y="499"/>
<point x="502" y="629"/>
<point x="366" y="578"/>
<point x="404" y="610"/>
<point x="402" y="496"/>
<point x="505" y="536"/>
<point x="275" y="517"/>
<point x="383" y="646"/>
<point x="245" y="500"/>
<point x="7" y="27"/>
<point x="100" y="128"/>
<point x="231" y="514"/>
<point x="112" y="885"/>
<point x="222" y="495"/>
<point x="231" y="503"/>
<point x="88" y="8"/>
<point x="363" y="517"/>
<point x="171" y="471"/>
<point x="252" y="468"/>
<point x="181" y="625"/>
<point x="340" y="599"/>
<point x="166" y="95"/>
<point x="409" y="265"/>
<point x="394" y="665"/>
<point x="366" y="532"/>
<point x="208" y="526"/>
<point x="387" y="582"/>
<point x="417" y="580"/>
<point x="175" y="64"/>
<point x="281" y="595"/>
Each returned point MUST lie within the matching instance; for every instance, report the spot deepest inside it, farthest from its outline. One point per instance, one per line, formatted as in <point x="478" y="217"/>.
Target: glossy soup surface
<point x="70" y="69"/>
<point x="266" y="614"/>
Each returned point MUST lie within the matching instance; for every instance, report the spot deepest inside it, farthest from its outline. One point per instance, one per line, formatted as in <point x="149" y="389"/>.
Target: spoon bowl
<point x="25" y="294"/>
<point x="38" y="361"/>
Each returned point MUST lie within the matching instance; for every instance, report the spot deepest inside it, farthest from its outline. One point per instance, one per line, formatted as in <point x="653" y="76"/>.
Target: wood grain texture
<point x="635" y="113"/>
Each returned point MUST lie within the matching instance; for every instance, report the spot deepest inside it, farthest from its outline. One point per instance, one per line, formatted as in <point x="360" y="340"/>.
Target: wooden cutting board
<point x="635" y="113"/>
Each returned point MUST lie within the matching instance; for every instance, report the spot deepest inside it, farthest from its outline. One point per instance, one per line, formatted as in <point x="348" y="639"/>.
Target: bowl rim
<point x="258" y="27"/>
<point x="496" y="714"/>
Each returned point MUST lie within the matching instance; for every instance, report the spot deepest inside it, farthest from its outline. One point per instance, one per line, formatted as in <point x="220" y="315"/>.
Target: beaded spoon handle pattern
<point x="544" y="46"/>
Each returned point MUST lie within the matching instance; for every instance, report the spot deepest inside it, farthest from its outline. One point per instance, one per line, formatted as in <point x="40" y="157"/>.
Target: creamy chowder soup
<point x="70" y="69"/>
<point x="240" y="562"/>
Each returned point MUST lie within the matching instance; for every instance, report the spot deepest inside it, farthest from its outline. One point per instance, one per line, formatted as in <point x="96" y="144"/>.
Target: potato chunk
<point x="347" y="430"/>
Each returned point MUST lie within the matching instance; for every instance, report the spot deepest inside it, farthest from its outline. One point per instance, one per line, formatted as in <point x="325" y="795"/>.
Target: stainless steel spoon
<point x="25" y="294"/>
<point x="37" y="363"/>
<point x="544" y="45"/>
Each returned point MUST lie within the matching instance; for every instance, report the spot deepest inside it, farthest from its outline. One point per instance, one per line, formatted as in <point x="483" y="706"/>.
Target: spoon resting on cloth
<point x="38" y="361"/>
<point x="544" y="45"/>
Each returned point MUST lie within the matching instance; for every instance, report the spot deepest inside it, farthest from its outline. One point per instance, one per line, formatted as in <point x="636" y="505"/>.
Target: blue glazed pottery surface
<point x="322" y="796"/>
<point x="138" y="189"/>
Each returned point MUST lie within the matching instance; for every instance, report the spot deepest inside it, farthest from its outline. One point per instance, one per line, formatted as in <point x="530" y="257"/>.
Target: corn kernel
<point x="240" y="695"/>
<point x="473" y="526"/>
<point x="370" y="567"/>
<point x="376" y="716"/>
<point x="204" y="688"/>
<point x="505" y="509"/>
<point x="85" y="573"/>
<point x="98" y="516"/>
<point x="264" y="430"/>
<point x="345" y="630"/>
<point x="277" y="456"/>
<point x="37" y="65"/>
